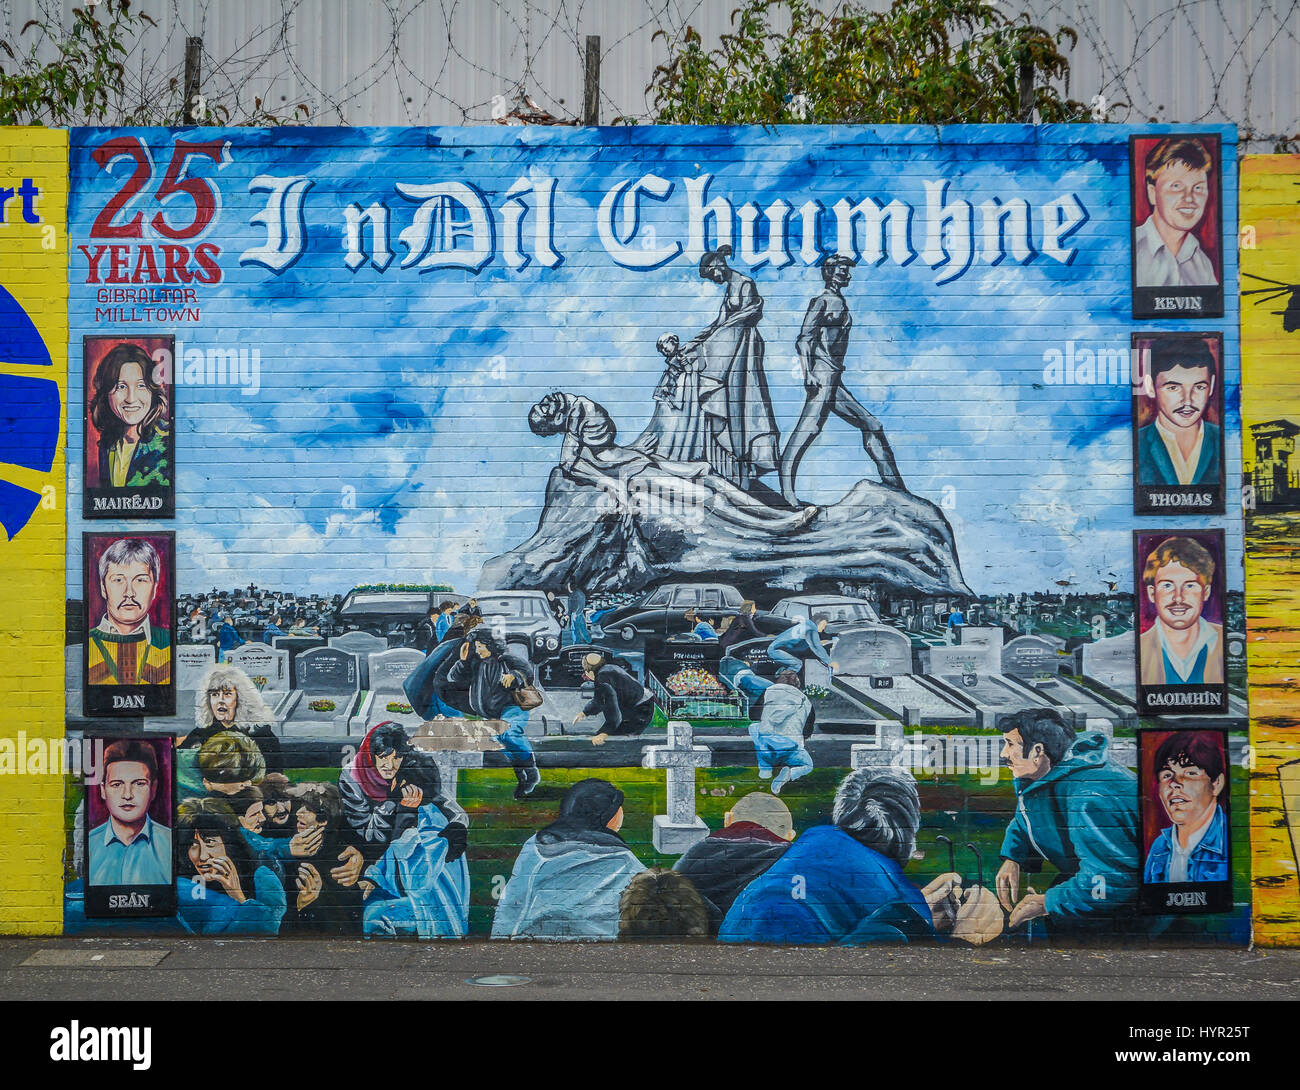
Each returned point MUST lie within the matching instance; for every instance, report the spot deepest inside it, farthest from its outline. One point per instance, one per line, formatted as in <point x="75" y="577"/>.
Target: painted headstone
<point x="361" y="644"/>
<point x="1030" y="656"/>
<point x="873" y="652"/>
<point x="1113" y="662"/>
<point x="564" y="670"/>
<point x="674" y="832"/>
<point x="883" y="751"/>
<point x="980" y="636"/>
<point x="267" y="667"/>
<point x="192" y="662"/>
<point x="388" y="669"/>
<point x="296" y="645"/>
<point x="327" y="670"/>
<point x="455" y="744"/>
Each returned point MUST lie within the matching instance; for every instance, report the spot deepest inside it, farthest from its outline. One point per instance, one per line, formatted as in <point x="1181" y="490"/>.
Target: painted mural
<point x="1270" y="324"/>
<point x="659" y="533"/>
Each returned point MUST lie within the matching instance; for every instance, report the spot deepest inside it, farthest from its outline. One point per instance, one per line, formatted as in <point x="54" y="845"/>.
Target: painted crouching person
<point x="318" y="900"/>
<point x="494" y="680"/>
<point x="383" y="786"/>
<point x="406" y="842"/>
<point x="852" y="875"/>
<point x="221" y="889"/>
<point x="568" y="879"/>
<point x="1078" y="810"/>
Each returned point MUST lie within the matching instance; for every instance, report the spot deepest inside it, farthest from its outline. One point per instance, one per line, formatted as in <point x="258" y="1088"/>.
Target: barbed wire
<point x="405" y="62"/>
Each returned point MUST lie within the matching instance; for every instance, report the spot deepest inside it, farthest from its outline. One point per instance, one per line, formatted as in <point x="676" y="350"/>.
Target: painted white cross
<point x="681" y="827"/>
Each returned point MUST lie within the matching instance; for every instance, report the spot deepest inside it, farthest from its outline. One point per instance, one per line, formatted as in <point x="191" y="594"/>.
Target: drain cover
<point x="498" y="981"/>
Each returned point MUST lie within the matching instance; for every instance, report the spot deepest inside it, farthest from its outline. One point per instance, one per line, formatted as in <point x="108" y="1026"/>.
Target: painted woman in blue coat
<point x="844" y="883"/>
<point x="220" y="888"/>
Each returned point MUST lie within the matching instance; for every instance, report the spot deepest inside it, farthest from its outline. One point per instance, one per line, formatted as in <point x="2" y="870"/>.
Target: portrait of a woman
<point x="129" y="410"/>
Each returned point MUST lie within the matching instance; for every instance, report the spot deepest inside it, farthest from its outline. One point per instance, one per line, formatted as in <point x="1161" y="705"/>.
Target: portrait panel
<point x="1184" y="781"/>
<point x="1178" y="433"/>
<point x="129" y="416"/>
<point x="1176" y="225"/>
<point x="129" y="655"/>
<point x="1180" y="589"/>
<point x="127" y="856"/>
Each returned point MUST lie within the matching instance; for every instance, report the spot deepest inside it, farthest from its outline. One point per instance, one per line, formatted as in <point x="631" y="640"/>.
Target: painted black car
<point x="661" y="614"/>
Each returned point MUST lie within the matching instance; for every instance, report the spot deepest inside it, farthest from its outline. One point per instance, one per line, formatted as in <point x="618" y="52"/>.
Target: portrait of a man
<point x="1178" y="181"/>
<point x="125" y="647"/>
<point x="130" y="847"/>
<point x="1181" y="646"/>
<point x="1181" y="398"/>
<point x="1188" y="776"/>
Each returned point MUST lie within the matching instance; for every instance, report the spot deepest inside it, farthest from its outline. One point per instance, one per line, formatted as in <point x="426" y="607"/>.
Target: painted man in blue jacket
<point x="493" y="678"/>
<point x="1190" y="777"/>
<point x="802" y="637"/>
<point x="1075" y="809"/>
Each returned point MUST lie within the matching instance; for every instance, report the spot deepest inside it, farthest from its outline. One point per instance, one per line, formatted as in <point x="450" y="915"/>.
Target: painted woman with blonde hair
<point x="227" y="699"/>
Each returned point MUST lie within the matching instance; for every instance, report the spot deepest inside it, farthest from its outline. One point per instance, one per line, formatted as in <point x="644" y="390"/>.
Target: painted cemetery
<point x="733" y="535"/>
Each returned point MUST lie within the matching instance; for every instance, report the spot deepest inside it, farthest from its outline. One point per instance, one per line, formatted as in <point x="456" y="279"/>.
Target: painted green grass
<point x="961" y="807"/>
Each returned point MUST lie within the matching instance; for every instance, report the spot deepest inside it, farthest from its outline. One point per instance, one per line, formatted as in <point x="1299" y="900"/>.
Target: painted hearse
<point x="524" y="620"/>
<point x="392" y="614"/>
<point x="661" y="614"/>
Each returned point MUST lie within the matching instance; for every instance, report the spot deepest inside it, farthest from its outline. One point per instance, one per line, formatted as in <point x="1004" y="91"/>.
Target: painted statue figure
<point x="733" y="387"/>
<point x="590" y="456"/>
<point x="822" y="344"/>
<point x="678" y="428"/>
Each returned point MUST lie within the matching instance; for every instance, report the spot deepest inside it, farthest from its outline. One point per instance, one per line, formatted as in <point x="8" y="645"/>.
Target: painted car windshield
<point x="509" y="607"/>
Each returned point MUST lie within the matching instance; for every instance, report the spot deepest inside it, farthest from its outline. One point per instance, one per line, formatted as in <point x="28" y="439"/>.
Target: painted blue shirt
<point x="1207" y="861"/>
<point x="146" y="861"/>
<point x="1195" y="677"/>
<point x="205" y="909"/>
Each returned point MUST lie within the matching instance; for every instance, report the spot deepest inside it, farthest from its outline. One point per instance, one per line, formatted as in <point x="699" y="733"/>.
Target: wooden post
<point x="1026" y="91"/>
<point x="591" y="82"/>
<point x="193" y="78"/>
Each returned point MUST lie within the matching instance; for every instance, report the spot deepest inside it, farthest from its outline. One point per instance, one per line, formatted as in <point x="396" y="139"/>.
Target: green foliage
<point x="63" y="77"/>
<point x="76" y="74"/>
<point x="925" y="62"/>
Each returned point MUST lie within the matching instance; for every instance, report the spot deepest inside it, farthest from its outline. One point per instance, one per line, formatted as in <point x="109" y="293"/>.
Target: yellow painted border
<point x="34" y="270"/>
<point x="1270" y="357"/>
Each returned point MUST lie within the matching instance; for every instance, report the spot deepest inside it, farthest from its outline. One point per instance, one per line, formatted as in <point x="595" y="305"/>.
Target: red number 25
<point x="205" y="196"/>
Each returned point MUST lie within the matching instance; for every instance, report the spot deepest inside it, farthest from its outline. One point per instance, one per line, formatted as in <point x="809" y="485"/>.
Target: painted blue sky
<point x="388" y="440"/>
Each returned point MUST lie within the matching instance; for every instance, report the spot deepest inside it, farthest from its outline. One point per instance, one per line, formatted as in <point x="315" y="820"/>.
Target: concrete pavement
<point x="241" y="969"/>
